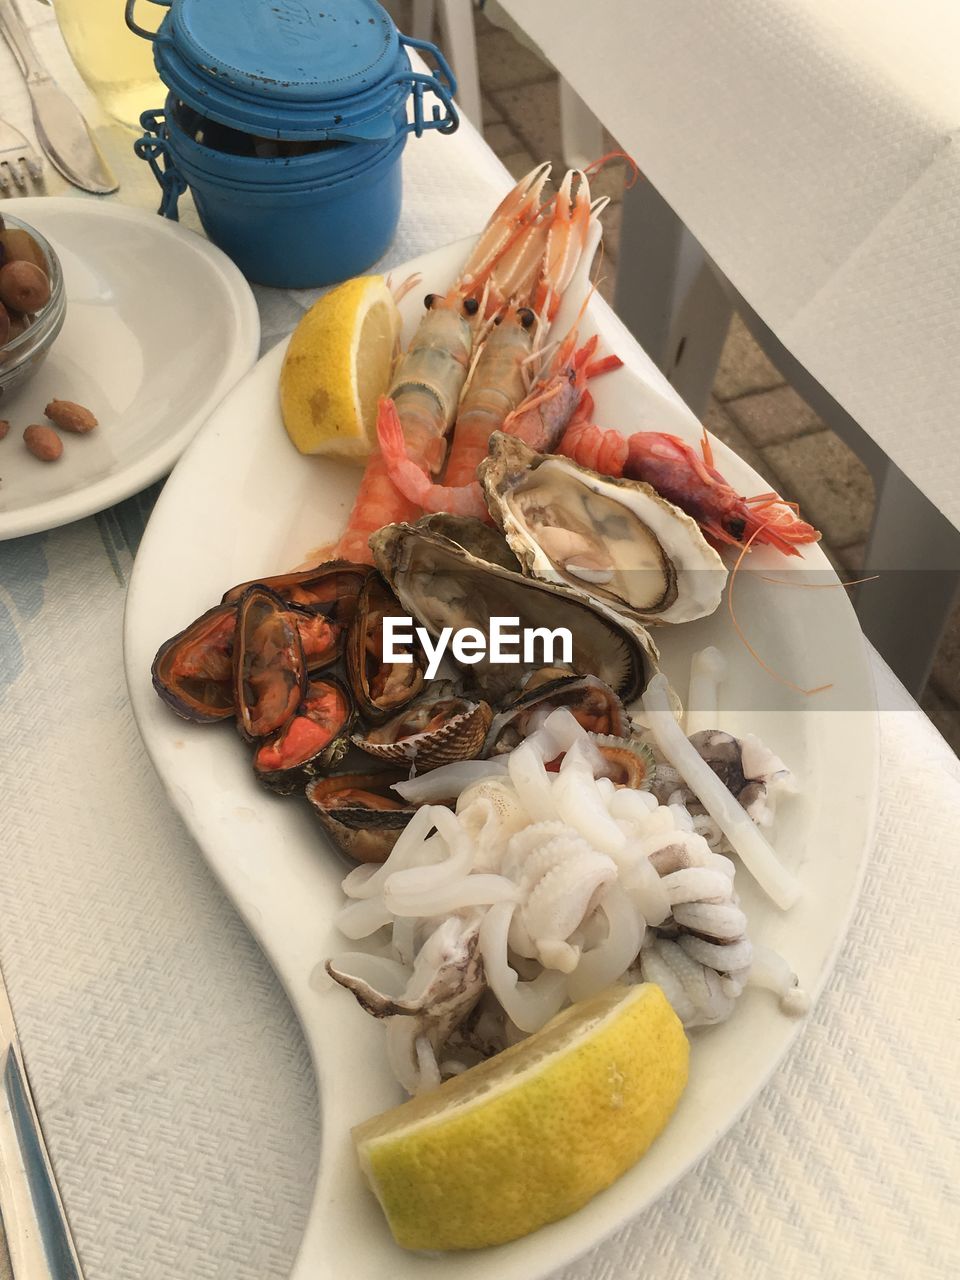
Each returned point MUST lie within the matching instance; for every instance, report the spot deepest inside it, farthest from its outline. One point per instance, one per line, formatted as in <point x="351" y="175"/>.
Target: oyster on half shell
<point x="617" y="541"/>
<point x="444" y="586"/>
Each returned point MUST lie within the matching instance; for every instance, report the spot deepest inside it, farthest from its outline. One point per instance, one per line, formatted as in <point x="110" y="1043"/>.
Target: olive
<point x="4" y="325"/>
<point x="17" y="245"/>
<point x="23" y="286"/>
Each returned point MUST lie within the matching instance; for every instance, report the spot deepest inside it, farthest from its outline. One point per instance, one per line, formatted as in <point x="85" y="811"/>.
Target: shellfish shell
<point x="617" y="541"/>
<point x="359" y="814"/>
<point x="437" y="729"/>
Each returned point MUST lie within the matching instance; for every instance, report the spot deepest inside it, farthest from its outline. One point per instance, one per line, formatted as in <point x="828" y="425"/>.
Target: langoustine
<point x="690" y="481"/>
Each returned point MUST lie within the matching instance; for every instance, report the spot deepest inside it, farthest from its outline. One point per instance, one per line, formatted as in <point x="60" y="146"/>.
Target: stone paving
<point x="752" y="409"/>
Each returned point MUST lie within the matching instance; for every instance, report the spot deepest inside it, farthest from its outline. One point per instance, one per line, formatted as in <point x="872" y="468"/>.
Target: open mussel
<point x="438" y="728"/>
<point x="269" y="670"/>
<point x="617" y="541"/>
<point x="380" y="688"/>
<point x="324" y="601"/>
<point x="443" y="585"/>
<point x="312" y="741"/>
<point x="593" y="704"/>
<point x="193" y="670"/>
<point x="360" y="813"/>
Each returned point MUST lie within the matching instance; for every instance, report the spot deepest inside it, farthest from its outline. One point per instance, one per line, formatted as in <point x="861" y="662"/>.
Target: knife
<point x="38" y="1238"/>
<point x="62" y="131"/>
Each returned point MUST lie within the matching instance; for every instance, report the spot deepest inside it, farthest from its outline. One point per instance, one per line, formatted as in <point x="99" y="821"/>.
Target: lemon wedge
<point x="337" y="364"/>
<point x="532" y="1134"/>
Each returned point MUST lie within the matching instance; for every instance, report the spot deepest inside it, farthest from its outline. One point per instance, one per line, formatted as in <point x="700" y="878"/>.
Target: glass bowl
<point x="24" y="354"/>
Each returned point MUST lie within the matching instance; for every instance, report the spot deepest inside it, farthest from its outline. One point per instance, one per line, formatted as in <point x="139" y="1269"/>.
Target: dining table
<point x="800" y="164"/>
<point x="171" y="1077"/>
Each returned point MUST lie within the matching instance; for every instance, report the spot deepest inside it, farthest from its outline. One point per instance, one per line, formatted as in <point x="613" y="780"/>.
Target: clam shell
<point x="443" y="585"/>
<point x="460" y="735"/>
<point x="595" y="701"/>
<point x="360" y="829"/>
<point x="617" y="541"/>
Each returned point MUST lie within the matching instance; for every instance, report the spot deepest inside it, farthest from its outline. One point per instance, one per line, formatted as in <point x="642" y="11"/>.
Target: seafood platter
<point x="495" y="881"/>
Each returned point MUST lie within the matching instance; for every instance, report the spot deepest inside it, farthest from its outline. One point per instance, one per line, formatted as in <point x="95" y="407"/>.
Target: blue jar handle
<point x="132" y="22"/>
<point x="154" y="148"/>
<point x="442" y="85"/>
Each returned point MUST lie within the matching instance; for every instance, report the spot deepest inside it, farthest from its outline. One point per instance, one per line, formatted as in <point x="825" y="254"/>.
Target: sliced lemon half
<point x="337" y="365"/>
<point x="534" y="1133"/>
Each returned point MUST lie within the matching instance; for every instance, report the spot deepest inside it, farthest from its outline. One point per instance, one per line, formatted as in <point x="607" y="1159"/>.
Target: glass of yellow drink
<point x="116" y="64"/>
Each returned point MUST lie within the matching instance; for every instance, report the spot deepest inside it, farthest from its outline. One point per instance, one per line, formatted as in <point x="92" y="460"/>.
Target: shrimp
<point x="692" y="483"/>
<point x="430" y="376"/>
<point x="538" y="420"/>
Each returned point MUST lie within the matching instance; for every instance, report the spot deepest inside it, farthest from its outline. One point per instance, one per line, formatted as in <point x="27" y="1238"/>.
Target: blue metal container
<point x="287" y="120"/>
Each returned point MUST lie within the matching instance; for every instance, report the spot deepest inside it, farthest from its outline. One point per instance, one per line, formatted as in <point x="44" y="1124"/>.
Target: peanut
<point x="43" y="443"/>
<point x="70" y="417"/>
<point x="4" y="427"/>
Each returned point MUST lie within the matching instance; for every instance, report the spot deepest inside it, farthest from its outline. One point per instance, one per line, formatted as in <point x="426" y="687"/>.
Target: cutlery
<point x="62" y="132"/>
<point x="38" y="1237"/>
<point x="18" y="162"/>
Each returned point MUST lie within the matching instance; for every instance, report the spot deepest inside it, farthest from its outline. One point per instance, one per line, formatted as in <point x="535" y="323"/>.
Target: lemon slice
<point x="337" y="364"/>
<point x="535" y="1132"/>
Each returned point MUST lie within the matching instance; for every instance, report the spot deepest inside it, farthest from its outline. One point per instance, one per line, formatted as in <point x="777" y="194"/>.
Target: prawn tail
<point x="592" y="447"/>
<point x="408" y="477"/>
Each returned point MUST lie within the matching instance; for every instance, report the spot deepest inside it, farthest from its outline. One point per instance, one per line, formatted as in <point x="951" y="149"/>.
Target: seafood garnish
<point x="571" y="883"/>
<point x="617" y="540"/>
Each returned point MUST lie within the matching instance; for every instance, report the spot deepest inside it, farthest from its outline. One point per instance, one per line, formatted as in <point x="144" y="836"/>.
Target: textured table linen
<point x="811" y="147"/>
<point x="172" y="1080"/>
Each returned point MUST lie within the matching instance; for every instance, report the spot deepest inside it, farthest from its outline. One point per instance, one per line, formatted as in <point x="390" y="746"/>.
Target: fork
<point x="18" y="162"/>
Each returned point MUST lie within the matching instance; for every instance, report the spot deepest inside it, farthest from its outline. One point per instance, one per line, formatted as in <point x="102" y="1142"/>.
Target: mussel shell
<point x="593" y="703"/>
<point x="193" y="670"/>
<point x="441" y="584"/>
<point x="323" y="638"/>
<point x="360" y="829"/>
<point x="269" y="671"/>
<point x="311" y="754"/>
<point x="334" y="587"/>
<point x="404" y="739"/>
<point x="380" y="689"/>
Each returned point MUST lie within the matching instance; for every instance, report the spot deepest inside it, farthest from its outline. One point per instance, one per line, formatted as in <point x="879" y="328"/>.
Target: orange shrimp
<point x="692" y="483"/>
<point x="430" y="376"/>
<point x="538" y="421"/>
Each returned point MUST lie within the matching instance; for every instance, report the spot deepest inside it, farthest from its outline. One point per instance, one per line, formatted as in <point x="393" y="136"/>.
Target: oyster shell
<point x="443" y="585"/>
<point x="474" y="536"/>
<point x="437" y="729"/>
<point x="617" y="541"/>
<point x="359" y="812"/>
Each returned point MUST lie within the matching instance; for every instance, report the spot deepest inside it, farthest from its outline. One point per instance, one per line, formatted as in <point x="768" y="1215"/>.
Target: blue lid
<point x="297" y="69"/>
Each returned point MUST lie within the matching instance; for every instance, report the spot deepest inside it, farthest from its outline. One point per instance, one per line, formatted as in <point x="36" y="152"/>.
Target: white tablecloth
<point x="811" y="147"/>
<point x="171" y="1077"/>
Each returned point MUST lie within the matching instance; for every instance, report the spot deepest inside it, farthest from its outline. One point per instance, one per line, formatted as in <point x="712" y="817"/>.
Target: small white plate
<point x="243" y="502"/>
<point x="160" y="325"/>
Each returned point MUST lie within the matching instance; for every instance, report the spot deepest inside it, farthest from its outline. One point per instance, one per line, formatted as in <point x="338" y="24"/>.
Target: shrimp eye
<point x="526" y="317"/>
<point x="497" y="319"/>
<point x="429" y="300"/>
<point x="471" y="306"/>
